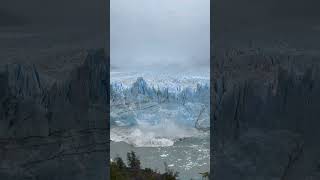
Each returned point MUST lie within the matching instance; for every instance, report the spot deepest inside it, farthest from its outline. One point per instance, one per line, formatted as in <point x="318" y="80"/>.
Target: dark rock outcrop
<point x="55" y="129"/>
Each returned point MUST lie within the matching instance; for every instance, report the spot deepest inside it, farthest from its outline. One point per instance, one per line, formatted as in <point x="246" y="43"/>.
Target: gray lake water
<point x="189" y="156"/>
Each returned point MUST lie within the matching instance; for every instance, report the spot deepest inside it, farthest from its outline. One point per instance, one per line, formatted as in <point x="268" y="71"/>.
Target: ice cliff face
<point x="193" y="100"/>
<point x="269" y="90"/>
<point x="50" y="128"/>
<point x="146" y="113"/>
<point x="264" y="99"/>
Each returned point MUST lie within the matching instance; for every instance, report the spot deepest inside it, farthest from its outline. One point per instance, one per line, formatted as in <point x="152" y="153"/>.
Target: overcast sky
<point x="160" y="32"/>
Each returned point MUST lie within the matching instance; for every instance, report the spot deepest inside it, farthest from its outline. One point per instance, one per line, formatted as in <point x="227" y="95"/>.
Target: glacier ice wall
<point x="149" y="114"/>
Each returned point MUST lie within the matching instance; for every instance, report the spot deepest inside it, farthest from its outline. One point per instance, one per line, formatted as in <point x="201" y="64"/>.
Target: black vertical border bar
<point x="211" y="90"/>
<point x="107" y="55"/>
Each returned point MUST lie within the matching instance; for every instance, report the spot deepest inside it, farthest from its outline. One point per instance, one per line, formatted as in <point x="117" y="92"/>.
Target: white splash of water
<point x="144" y="134"/>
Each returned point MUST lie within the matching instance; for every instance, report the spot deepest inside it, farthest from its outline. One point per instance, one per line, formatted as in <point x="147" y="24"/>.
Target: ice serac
<point x="140" y="86"/>
<point x="263" y="99"/>
<point x="54" y="129"/>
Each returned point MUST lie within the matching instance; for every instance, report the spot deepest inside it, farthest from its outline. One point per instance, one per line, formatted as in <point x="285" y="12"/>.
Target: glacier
<point x="152" y="110"/>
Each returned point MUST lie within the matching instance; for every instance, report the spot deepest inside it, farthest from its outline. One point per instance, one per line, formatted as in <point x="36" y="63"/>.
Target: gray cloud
<point x="160" y="32"/>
